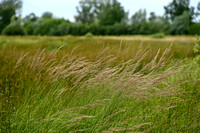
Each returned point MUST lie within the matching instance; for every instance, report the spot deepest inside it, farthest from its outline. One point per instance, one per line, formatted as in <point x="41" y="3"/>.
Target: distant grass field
<point x="90" y="46"/>
<point x="99" y="84"/>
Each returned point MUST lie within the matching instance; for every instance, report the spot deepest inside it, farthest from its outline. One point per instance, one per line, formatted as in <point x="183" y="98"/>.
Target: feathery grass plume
<point x="48" y="92"/>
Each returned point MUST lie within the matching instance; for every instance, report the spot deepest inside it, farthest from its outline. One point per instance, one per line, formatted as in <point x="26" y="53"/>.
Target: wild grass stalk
<point x="46" y="92"/>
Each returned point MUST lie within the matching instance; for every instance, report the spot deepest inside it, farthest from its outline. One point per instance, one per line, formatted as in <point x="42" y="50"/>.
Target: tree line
<point x="102" y="17"/>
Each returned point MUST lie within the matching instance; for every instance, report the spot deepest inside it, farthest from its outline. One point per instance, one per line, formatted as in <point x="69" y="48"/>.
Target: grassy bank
<point x="103" y="85"/>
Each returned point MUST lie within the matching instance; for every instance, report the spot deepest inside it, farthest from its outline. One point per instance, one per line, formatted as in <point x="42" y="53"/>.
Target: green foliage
<point x="47" y="15"/>
<point x="15" y="4"/>
<point x="197" y="45"/>
<point x="158" y="35"/>
<point x="89" y="34"/>
<point x="197" y="49"/>
<point x="139" y="24"/>
<point x="5" y="15"/>
<point x="111" y="12"/>
<point x="30" y="18"/>
<point x="139" y="17"/>
<point x="86" y="12"/>
<point x="178" y="7"/>
<point x="158" y="24"/>
<point x="29" y="23"/>
<point x="14" y="28"/>
<point x="8" y="8"/>
<point x="106" y="17"/>
<point x="106" y="12"/>
<point x="181" y="24"/>
<point x="194" y="29"/>
<point x="46" y="25"/>
<point x="62" y="29"/>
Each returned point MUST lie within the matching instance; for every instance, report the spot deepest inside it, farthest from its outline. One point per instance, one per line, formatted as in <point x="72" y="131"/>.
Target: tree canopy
<point x="106" y="12"/>
<point x="8" y="8"/>
<point x="111" y="12"/>
<point x="103" y="17"/>
<point x="15" y="4"/>
<point x="178" y="7"/>
<point x="86" y="12"/>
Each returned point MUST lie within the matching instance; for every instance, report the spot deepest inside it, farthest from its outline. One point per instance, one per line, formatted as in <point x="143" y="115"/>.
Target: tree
<point x="44" y="27"/>
<point x="157" y="24"/>
<point x="8" y="8"/>
<point x="29" y="23"/>
<point x="86" y="12"/>
<point x="177" y="8"/>
<point x="16" y="4"/>
<point x="111" y="12"/>
<point x="30" y="18"/>
<point x="181" y="24"/>
<point x="14" y="28"/>
<point x="152" y="17"/>
<point x="139" y="17"/>
<point x="198" y="9"/>
<point x="139" y="22"/>
<point x="5" y="17"/>
<point x="47" y="15"/>
<point x="106" y="12"/>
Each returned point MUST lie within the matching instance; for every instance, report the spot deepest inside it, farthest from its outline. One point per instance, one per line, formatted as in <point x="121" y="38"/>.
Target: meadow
<point x="99" y="84"/>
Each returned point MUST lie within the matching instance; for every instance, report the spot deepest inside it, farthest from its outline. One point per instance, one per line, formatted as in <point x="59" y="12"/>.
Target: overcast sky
<point x="67" y="8"/>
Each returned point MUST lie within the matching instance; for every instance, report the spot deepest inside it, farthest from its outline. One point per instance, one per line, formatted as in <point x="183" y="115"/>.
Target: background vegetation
<point x="104" y="17"/>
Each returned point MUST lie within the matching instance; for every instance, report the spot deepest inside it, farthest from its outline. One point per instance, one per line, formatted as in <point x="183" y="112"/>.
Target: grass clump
<point x="158" y="35"/>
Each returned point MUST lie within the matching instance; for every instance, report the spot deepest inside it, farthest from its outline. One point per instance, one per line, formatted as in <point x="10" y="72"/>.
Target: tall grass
<point x="88" y="47"/>
<point x="46" y="91"/>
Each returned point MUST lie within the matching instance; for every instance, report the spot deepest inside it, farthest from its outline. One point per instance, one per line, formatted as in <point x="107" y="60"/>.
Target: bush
<point x="89" y="34"/>
<point x="14" y="28"/>
<point x="60" y="30"/>
<point x="194" y="29"/>
<point x="30" y="27"/>
<point x="158" y="35"/>
<point x="47" y="25"/>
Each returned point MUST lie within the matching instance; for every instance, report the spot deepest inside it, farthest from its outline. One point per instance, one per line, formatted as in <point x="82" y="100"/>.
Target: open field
<point x="90" y="46"/>
<point x="99" y="84"/>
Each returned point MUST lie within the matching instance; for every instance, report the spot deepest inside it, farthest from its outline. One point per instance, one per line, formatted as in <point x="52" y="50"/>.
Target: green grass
<point x="99" y="86"/>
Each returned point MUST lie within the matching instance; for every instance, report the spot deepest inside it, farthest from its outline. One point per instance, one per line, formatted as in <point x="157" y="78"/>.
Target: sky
<point x="67" y="8"/>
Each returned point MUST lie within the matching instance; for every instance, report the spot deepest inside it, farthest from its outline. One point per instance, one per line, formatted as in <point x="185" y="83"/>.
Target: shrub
<point x="89" y="34"/>
<point x="158" y="35"/>
<point x="14" y="28"/>
<point x="60" y="30"/>
<point x="47" y="25"/>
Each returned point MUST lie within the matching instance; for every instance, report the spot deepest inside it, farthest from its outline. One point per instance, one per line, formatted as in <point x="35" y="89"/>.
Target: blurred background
<point x="99" y="17"/>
